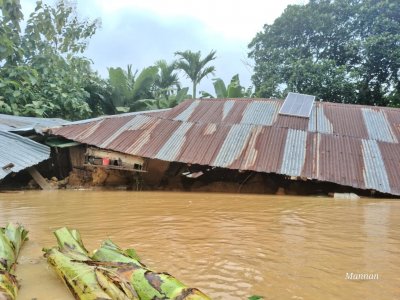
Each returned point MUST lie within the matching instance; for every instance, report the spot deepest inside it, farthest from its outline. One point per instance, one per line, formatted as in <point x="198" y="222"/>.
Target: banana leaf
<point x="147" y="284"/>
<point x="8" y="286"/>
<point x="111" y="272"/>
<point x="12" y="238"/>
<point x="78" y="276"/>
<point x="85" y="280"/>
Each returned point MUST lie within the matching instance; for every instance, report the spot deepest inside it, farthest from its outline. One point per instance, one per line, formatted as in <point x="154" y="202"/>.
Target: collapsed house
<point x="22" y="145"/>
<point x="298" y="139"/>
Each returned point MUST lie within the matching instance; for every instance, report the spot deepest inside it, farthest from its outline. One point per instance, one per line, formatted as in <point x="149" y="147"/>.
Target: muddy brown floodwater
<point x="229" y="246"/>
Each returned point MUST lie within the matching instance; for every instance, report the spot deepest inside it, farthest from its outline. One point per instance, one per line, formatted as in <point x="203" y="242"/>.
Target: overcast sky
<point x="140" y="32"/>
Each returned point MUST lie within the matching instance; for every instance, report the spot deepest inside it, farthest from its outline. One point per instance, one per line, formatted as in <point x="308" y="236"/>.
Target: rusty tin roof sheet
<point x="350" y="145"/>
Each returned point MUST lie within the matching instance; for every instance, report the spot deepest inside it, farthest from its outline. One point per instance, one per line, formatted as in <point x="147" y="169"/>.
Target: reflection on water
<point x="229" y="246"/>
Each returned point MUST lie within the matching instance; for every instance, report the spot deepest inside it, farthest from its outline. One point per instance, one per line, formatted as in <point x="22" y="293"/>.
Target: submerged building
<point x="22" y="143"/>
<point x="349" y="145"/>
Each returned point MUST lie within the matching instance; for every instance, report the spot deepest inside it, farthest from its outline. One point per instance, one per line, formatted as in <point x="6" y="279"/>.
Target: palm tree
<point x="195" y="67"/>
<point x="167" y="80"/>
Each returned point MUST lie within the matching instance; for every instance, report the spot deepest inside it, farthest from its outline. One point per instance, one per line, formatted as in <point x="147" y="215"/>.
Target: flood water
<point x="229" y="246"/>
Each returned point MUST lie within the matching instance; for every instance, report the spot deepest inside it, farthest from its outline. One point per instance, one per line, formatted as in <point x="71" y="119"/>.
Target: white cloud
<point x="139" y="32"/>
<point x="239" y="20"/>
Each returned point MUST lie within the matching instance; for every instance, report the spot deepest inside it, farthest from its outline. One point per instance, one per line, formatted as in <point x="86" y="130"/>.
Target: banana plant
<point x="12" y="237"/>
<point x="111" y="273"/>
<point x="165" y="102"/>
<point x="128" y="87"/>
<point x="233" y="90"/>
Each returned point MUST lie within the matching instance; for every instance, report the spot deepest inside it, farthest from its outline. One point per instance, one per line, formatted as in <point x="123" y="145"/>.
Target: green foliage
<point x="344" y="51"/>
<point x="144" y="82"/>
<point x="127" y="87"/>
<point x="255" y="297"/>
<point x="120" y="83"/>
<point x="195" y="67"/>
<point x="233" y="90"/>
<point x="41" y="73"/>
<point x="58" y="29"/>
<point x="155" y="87"/>
<point x="100" y="96"/>
<point x="163" y="102"/>
<point x="167" y="81"/>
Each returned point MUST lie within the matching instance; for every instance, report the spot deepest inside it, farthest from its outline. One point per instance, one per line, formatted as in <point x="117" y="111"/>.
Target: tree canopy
<point x="41" y="70"/>
<point x="194" y="66"/>
<point x="339" y="50"/>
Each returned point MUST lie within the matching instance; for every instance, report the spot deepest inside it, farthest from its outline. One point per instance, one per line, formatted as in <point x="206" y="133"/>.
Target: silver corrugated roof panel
<point x="135" y="123"/>
<point x="144" y="112"/>
<point x="173" y="145"/>
<point x="228" y="105"/>
<point x="260" y="113"/>
<point x="233" y="145"/>
<point x="251" y="153"/>
<point x="17" y="123"/>
<point x="185" y="115"/>
<point x="318" y="121"/>
<point x="378" y="126"/>
<point x="19" y="151"/>
<point x="375" y="175"/>
<point x="144" y="138"/>
<point x="294" y="154"/>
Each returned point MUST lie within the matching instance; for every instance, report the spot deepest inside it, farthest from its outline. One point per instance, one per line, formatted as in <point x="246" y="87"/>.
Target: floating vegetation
<point x="111" y="272"/>
<point x="12" y="238"/>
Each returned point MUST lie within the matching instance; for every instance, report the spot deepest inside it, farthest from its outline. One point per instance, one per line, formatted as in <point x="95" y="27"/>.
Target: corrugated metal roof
<point x="375" y="175"/>
<point x="391" y="157"/>
<point x="172" y="147"/>
<point x="339" y="143"/>
<point x="339" y="159"/>
<point x="294" y="154"/>
<point x="319" y="122"/>
<point x="228" y="105"/>
<point x="233" y="146"/>
<point x="260" y="113"/>
<point x="346" y="120"/>
<point x="378" y="126"/>
<point x="17" y="123"/>
<point x="19" y="151"/>
<point x="153" y="112"/>
<point x="185" y="115"/>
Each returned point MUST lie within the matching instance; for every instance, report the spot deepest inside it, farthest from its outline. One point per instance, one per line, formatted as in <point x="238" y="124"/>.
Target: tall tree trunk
<point x="194" y="89"/>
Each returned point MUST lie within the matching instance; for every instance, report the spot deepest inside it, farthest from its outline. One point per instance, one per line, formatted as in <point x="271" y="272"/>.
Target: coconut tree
<point x="195" y="67"/>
